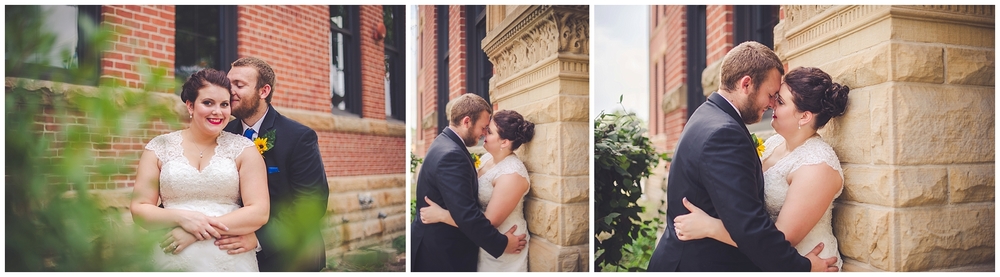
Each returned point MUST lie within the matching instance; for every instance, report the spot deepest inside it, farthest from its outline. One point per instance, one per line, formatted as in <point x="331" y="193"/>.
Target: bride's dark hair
<point x="201" y="79"/>
<point x="512" y="126"/>
<point x="813" y="90"/>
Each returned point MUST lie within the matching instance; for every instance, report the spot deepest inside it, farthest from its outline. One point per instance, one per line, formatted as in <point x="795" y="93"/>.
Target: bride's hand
<point x="176" y="240"/>
<point x="201" y="226"/>
<point x="695" y="225"/>
<point x="433" y="213"/>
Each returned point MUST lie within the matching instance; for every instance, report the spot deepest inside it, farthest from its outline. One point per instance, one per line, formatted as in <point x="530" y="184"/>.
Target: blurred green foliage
<point x="623" y="156"/>
<point x="53" y="221"/>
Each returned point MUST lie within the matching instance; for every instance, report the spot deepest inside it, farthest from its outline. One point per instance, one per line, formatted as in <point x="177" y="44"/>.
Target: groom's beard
<point x="470" y="141"/>
<point x="247" y="106"/>
<point x="749" y="112"/>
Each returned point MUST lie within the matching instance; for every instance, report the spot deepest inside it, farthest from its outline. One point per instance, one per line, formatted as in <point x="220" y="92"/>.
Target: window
<point x="205" y="38"/>
<point x="71" y="57"/>
<point x="395" y="71"/>
<point x="756" y="23"/>
<point x="345" y="63"/>
<point x="696" y="57"/>
<point x="479" y="69"/>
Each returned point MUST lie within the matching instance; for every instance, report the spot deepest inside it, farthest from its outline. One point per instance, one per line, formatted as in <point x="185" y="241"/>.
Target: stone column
<point x="541" y="61"/>
<point x="917" y="141"/>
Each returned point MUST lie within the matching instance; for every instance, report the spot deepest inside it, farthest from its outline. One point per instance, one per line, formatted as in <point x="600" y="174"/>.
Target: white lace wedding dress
<point x="214" y="191"/>
<point x="813" y="151"/>
<point x="507" y="262"/>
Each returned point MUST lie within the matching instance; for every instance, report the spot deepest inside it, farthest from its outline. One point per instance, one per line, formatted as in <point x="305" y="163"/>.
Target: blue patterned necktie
<point x="248" y="133"/>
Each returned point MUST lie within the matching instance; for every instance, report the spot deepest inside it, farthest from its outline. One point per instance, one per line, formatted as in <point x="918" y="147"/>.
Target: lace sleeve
<point x="166" y="147"/>
<point x="816" y="151"/>
<point x="232" y="145"/>
<point x="512" y="165"/>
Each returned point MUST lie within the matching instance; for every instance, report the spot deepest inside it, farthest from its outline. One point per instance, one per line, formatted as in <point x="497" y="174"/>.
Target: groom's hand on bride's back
<point x="515" y="243"/>
<point x="821" y="264"/>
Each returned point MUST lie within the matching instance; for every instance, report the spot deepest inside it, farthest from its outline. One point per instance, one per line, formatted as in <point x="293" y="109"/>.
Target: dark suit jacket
<point x="448" y="178"/>
<point x="716" y="167"/>
<point x="296" y="181"/>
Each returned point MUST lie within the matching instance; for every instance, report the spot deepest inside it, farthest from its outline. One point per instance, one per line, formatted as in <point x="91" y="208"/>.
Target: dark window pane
<point x="57" y="49"/>
<point x="338" y="74"/>
<point x="345" y="71"/>
<point x="197" y="40"/>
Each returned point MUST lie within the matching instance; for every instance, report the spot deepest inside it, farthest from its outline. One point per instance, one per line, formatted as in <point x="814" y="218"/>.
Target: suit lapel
<point x="724" y="105"/>
<point x="448" y="132"/>
<point x="268" y="122"/>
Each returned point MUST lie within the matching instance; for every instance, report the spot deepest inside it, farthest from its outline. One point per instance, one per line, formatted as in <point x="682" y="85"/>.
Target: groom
<point x="717" y="168"/>
<point x="448" y="178"/>
<point x="296" y="179"/>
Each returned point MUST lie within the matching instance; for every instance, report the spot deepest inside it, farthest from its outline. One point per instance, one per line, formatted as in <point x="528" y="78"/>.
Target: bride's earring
<point x="800" y="127"/>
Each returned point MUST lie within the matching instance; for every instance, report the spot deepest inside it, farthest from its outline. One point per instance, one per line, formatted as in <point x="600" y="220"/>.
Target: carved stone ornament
<point x="540" y="33"/>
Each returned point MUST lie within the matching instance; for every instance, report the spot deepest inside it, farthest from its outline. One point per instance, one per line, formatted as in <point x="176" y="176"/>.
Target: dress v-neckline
<point x="187" y="161"/>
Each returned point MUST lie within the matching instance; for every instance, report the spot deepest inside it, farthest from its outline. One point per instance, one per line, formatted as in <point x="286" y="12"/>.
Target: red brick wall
<point x="456" y="51"/>
<point x="668" y="61"/>
<point x="143" y="32"/>
<point x="372" y="64"/>
<point x="426" y="77"/>
<point x="427" y="69"/>
<point x="356" y="154"/>
<point x="675" y="122"/>
<point x="657" y="38"/>
<point x="669" y="38"/>
<point x="121" y="150"/>
<point x="143" y="35"/>
<point x="674" y="60"/>
<point x="719" y="20"/>
<point x="295" y="41"/>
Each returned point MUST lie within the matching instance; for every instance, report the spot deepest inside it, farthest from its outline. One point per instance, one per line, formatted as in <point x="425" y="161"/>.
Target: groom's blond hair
<point x="468" y="104"/>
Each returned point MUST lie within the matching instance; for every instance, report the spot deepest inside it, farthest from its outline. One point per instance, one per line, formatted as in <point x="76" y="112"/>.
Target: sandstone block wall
<point x="541" y="60"/>
<point x="917" y="141"/>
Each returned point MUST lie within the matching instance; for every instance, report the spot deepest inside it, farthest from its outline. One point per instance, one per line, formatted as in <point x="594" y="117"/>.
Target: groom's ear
<point x="265" y="91"/>
<point x="744" y="84"/>
<point x="467" y="122"/>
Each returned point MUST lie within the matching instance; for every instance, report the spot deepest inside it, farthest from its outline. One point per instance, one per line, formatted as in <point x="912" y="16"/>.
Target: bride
<point x="802" y="174"/>
<point x="201" y="175"/>
<point x="503" y="183"/>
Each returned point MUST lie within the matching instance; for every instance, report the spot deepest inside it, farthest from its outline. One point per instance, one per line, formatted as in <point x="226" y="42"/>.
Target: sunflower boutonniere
<point x="758" y="144"/>
<point x="475" y="159"/>
<point x="264" y="141"/>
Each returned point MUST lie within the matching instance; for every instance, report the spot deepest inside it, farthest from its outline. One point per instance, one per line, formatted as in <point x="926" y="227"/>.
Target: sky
<point x="620" y="59"/>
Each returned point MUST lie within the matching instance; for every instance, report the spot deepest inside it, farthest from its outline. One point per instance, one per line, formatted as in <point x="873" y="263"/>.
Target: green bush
<point x="399" y="243"/>
<point x="636" y="255"/>
<point x="622" y="158"/>
<point x="53" y="222"/>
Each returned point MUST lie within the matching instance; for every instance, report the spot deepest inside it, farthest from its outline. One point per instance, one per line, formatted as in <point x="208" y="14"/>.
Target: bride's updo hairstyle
<point x="815" y="91"/>
<point x="202" y="79"/>
<point x="512" y="126"/>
